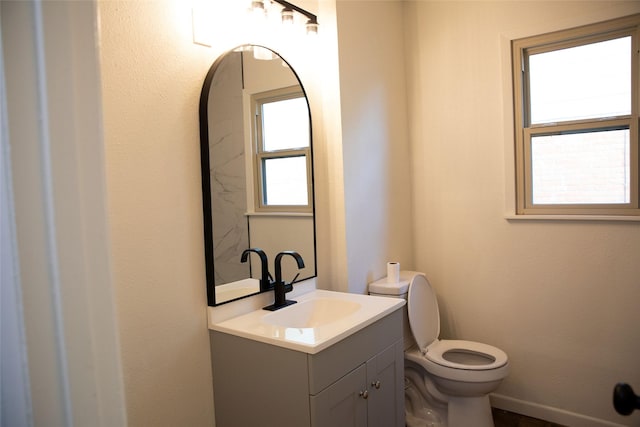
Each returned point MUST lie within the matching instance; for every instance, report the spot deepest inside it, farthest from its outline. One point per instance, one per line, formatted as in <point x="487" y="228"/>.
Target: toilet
<point x="447" y="382"/>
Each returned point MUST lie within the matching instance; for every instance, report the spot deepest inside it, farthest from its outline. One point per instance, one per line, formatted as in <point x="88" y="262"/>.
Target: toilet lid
<point x="424" y="317"/>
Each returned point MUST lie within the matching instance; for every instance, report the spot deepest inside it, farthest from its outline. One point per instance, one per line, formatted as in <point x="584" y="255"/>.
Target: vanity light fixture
<point x="287" y="13"/>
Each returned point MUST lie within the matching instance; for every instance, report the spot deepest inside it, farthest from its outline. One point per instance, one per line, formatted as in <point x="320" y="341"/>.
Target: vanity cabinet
<point x="359" y="381"/>
<point x="364" y="397"/>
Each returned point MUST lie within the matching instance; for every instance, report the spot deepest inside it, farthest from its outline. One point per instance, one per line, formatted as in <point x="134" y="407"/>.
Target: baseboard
<point x="547" y="413"/>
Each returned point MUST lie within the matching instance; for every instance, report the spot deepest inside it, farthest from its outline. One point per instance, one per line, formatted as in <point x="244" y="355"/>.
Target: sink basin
<point x="312" y="313"/>
<point x="318" y="320"/>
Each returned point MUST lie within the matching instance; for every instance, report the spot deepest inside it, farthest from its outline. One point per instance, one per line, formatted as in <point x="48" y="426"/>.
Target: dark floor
<point x="503" y="418"/>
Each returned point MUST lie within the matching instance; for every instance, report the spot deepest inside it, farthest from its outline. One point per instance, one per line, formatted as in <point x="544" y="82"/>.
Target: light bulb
<point x="312" y="28"/>
<point x="257" y="9"/>
<point x="287" y="16"/>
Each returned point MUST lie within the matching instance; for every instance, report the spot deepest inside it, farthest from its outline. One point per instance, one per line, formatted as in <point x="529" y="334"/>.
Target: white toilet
<point x="452" y="378"/>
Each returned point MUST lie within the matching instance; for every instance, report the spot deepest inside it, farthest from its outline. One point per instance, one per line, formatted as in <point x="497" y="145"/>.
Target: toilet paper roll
<point x="393" y="272"/>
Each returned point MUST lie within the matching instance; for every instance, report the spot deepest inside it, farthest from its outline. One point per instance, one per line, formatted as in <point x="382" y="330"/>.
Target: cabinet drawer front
<point x="336" y="361"/>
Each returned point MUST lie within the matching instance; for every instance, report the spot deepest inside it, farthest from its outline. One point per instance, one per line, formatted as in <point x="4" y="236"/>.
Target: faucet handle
<point x="268" y="284"/>
<point x="288" y="287"/>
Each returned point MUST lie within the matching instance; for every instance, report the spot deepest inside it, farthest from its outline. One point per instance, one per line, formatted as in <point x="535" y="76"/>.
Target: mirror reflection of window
<point x="285" y="181"/>
<point x="285" y="124"/>
<point x="282" y="147"/>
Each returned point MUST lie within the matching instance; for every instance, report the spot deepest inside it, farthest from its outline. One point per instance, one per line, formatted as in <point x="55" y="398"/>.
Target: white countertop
<point x="311" y="340"/>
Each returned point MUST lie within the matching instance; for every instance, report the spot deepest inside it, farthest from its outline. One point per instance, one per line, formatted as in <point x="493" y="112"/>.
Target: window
<point x="282" y="151"/>
<point x="576" y="120"/>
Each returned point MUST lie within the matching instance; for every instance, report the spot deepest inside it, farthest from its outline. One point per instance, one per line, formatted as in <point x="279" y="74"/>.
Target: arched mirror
<point x="257" y="171"/>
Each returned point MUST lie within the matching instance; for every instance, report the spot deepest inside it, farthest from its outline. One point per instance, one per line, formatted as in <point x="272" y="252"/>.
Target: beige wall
<point x="152" y="74"/>
<point x="561" y="298"/>
<point x="375" y="148"/>
<point x="151" y="77"/>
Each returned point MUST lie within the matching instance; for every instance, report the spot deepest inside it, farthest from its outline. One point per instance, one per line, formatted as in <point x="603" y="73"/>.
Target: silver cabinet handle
<point x="364" y="394"/>
<point x="376" y="384"/>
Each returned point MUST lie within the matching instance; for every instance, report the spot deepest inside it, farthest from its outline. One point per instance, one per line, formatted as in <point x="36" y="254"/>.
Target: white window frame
<point x="259" y="154"/>
<point x="524" y="131"/>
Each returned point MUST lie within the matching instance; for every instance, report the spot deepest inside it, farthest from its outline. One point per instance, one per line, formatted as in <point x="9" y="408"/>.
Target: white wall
<point x="274" y="234"/>
<point x="375" y="148"/>
<point x="561" y="298"/>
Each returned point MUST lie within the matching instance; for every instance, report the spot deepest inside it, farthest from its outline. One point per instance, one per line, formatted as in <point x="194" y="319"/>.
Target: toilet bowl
<point x="463" y="372"/>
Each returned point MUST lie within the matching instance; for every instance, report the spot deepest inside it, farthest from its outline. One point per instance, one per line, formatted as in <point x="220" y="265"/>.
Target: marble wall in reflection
<point x="228" y="172"/>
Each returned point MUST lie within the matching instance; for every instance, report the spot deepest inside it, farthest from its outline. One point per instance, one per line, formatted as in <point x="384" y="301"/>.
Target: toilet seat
<point x="442" y="373"/>
<point x="424" y="318"/>
<point x="468" y="355"/>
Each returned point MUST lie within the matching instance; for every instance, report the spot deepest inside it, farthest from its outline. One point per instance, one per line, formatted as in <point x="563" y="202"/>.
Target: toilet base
<point x="470" y="411"/>
<point x="424" y="405"/>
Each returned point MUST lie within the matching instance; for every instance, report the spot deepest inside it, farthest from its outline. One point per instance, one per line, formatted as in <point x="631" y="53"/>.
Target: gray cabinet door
<point x="385" y="382"/>
<point x="371" y="395"/>
<point x="342" y="404"/>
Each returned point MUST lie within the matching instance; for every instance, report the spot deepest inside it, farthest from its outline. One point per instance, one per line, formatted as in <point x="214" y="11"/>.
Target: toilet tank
<point x="399" y="289"/>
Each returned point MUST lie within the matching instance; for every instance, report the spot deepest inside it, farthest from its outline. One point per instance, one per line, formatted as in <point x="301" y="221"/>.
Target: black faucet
<point x="280" y="288"/>
<point x="265" y="278"/>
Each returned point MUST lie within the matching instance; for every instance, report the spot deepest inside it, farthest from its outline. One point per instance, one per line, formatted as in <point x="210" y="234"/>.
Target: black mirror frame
<point x="203" y="113"/>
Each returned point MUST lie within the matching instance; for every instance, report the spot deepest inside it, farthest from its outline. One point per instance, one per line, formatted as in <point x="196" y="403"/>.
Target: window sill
<point x="629" y="218"/>
<point x="278" y="214"/>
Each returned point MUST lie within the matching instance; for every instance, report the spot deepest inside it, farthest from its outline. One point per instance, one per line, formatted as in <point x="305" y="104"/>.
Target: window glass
<point x="583" y="168"/>
<point x="576" y="120"/>
<point x="285" y="124"/>
<point x="583" y="82"/>
<point x="286" y="181"/>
